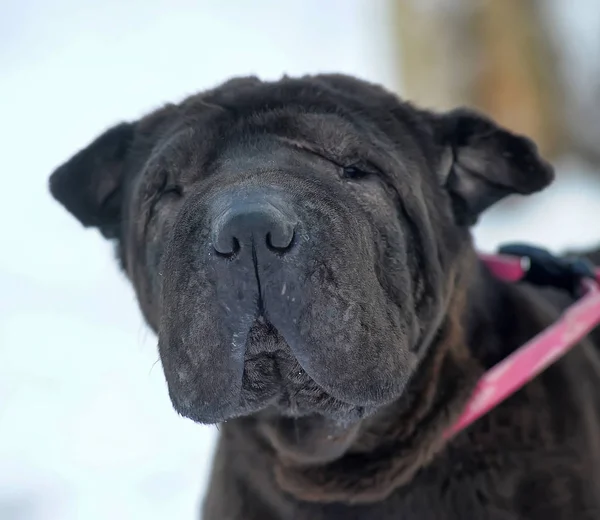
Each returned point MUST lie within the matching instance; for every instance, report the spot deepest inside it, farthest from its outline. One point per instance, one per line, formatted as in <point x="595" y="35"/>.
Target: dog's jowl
<point x="302" y="250"/>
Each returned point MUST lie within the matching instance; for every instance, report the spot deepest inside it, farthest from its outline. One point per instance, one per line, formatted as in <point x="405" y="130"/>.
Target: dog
<point x="302" y="249"/>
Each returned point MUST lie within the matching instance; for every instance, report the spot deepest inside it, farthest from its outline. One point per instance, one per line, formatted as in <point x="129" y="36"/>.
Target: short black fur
<point x="343" y="331"/>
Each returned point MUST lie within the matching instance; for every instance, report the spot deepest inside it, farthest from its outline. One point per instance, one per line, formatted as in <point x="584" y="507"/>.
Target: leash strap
<point x="525" y="263"/>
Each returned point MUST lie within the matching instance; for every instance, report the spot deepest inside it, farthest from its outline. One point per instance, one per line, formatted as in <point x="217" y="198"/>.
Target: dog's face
<point x="295" y="244"/>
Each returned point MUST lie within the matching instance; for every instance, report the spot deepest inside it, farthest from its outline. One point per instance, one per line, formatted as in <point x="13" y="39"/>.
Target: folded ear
<point x="484" y="163"/>
<point x="89" y="185"/>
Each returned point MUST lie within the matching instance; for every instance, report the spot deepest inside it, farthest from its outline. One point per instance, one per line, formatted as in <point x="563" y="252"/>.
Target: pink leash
<point x="540" y="352"/>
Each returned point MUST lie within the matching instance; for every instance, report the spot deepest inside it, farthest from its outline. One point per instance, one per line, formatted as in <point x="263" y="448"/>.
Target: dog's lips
<point x="267" y="374"/>
<point x="279" y="380"/>
<point x="273" y="378"/>
<point x="289" y="334"/>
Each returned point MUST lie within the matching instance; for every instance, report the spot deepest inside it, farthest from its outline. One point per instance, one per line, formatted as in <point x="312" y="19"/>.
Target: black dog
<point x="302" y="249"/>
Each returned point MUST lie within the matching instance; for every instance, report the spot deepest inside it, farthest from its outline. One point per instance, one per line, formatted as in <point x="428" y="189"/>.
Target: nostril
<point x="229" y="249"/>
<point x="245" y="226"/>
<point x="280" y="242"/>
<point x="235" y="247"/>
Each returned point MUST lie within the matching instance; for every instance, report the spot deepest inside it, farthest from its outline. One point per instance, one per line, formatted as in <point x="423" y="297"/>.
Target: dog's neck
<point x="319" y="461"/>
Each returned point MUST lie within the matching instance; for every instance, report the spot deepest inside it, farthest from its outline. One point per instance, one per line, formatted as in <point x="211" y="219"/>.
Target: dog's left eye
<point x="355" y="172"/>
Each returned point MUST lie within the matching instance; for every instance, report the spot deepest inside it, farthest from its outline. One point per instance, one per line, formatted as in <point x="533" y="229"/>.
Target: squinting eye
<point x="354" y="172"/>
<point x="172" y="190"/>
<point x="165" y="193"/>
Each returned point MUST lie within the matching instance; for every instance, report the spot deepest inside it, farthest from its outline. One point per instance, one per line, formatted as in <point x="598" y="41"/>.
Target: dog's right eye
<point x="173" y="190"/>
<point x="168" y="192"/>
<point x="164" y="193"/>
<point x="167" y="189"/>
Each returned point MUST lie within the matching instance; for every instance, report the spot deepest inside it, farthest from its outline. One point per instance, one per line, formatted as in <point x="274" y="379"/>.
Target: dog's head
<point x="294" y="243"/>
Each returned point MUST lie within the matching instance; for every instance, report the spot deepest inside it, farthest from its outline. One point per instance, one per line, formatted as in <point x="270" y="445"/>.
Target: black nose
<point x="253" y="223"/>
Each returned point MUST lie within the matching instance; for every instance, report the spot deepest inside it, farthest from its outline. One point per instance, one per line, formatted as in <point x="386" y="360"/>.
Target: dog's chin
<point x="276" y="386"/>
<point x="303" y="423"/>
<point x="308" y="440"/>
<point x="267" y="394"/>
<point x="277" y="383"/>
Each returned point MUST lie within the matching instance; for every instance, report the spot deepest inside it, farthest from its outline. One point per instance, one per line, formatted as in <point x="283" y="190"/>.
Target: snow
<point x="86" y="426"/>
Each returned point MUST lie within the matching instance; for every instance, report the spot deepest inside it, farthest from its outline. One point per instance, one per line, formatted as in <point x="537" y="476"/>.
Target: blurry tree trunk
<point x="495" y="55"/>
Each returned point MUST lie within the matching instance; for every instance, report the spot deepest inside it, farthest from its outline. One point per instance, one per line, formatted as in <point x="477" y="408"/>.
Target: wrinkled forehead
<point x="212" y="142"/>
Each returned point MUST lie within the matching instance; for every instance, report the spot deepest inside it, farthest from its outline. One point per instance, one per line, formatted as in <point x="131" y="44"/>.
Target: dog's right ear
<point x="89" y="185"/>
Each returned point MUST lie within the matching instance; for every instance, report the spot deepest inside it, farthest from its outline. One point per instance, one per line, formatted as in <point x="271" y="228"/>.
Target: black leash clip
<point x="545" y="269"/>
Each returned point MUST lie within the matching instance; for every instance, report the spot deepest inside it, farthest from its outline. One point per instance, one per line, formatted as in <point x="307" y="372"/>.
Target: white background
<point x="86" y="427"/>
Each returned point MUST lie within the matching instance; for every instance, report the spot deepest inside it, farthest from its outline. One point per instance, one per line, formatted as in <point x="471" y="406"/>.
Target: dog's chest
<point x="456" y="501"/>
<point x="426" y="499"/>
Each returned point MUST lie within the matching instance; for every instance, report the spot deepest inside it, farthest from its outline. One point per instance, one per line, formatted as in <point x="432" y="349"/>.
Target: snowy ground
<point x="86" y="427"/>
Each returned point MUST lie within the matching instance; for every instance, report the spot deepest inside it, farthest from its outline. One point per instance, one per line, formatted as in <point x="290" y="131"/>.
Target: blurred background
<point x="86" y="427"/>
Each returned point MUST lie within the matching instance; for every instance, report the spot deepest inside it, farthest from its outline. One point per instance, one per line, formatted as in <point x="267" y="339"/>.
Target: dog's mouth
<point x="311" y="354"/>
<point x="274" y="379"/>
<point x="293" y="318"/>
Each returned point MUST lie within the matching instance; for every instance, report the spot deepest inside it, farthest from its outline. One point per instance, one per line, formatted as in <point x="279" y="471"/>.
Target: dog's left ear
<point x="483" y="163"/>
